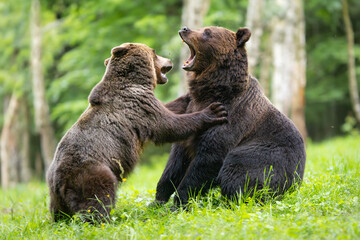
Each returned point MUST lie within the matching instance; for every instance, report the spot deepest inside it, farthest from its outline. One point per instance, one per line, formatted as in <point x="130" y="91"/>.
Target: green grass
<point x="325" y="207"/>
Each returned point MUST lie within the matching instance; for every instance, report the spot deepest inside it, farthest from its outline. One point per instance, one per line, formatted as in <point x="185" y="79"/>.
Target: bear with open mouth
<point x="258" y="148"/>
<point x="103" y="146"/>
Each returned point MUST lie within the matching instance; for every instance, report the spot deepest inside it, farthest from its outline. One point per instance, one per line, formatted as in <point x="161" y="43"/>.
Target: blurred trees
<point x="327" y="99"/>
<point x="282" y="54"/>
<point x="41" y="109"/>
<point x="327" y="94"/>
<point x="254" y="17"/>
<point x="78" y="35"/>
<point x="192" y="16"/>
<point x="353" y="86"/>
<point x="14" y="108"/>
<point x="289" y="61"/>
<point x="14" y="143"/>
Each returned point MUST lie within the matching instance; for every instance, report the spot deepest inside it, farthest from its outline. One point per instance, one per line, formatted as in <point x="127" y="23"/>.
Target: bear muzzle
<point x="165" y="66"/>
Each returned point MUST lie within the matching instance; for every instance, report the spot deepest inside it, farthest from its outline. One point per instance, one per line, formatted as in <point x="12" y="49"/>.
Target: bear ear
<point x="119" y="51"/>
<point x="106" y="61"/>
<point x="242" y="36"/>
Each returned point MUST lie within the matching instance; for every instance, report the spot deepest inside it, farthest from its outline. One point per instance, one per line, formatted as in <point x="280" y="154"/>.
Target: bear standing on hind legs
<point x="258" y="146"/>
<point x="104" y="144"/>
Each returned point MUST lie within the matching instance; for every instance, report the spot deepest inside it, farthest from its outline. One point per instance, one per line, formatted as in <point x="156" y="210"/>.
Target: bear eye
<point x="154" y="51"/>
<point x="207" y="33"/>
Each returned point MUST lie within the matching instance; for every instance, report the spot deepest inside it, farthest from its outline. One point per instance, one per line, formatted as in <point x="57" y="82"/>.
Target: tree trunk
<point x="42" y="118"/>
<point x="299" y="70"/>
<point x="7" y="177"/>
<point x="282" y="57"/>
<point x="265" y="67"/>
<point x="254" y="23"/>
<point x="354" y="94"/>
<point x="289" y="60"/>
<point x="15" y="145"/>
<point x="193" y="13"/>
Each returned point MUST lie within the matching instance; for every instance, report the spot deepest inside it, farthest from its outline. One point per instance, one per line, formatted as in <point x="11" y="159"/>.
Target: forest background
<point x="53" y="53"/>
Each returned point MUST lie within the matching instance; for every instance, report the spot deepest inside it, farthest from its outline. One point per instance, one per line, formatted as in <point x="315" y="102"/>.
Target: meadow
<point x="326" y="206"/>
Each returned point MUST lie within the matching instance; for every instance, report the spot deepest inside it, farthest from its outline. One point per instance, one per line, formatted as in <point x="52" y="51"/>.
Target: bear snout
<point x="165" y="64"/>
<point x="166" y="69"/>
<point x="186" y="29"/>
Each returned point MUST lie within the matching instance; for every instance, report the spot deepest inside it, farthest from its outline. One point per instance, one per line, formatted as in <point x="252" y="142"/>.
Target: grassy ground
<point x="325" y="207"/>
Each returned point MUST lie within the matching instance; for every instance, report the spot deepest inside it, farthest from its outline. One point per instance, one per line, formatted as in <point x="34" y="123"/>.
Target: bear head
<point x="212" y="46"/>
<point x="130" y="63"/>
<point x="139" y="54"/>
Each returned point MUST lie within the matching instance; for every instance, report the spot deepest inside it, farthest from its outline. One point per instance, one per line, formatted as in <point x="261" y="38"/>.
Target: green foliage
<point x="83" y="37"/>
<point x="82" y="40"/>
<point x="78" y="36"/>
<point x="230" y="14"/>
<point x="325" y="207"/>
<point x="14" y="43"/>
<point x="349" y="127"/>
<point x="327" y="90"/>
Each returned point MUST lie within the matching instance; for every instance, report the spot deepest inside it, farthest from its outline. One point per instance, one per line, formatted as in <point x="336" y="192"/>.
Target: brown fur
<point x="103" y="146"/>
<point x="258" y="146"/>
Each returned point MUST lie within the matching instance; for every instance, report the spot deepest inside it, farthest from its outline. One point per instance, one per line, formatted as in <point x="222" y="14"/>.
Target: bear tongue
<point x="189" y="63"/>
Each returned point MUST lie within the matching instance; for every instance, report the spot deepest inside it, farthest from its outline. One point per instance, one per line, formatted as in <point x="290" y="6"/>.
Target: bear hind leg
<point x="92" y="193"/>
<point x="245" y="173"/>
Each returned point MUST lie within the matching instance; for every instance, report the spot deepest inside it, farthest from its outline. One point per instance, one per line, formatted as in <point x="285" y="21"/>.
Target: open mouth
<point x="163" y="77"/>
<point x="163" y="72"/>
<point x="189" y="63"/>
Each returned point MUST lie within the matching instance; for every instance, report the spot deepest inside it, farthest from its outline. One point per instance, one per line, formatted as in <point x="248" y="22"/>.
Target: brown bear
<point x="258" y="147"/>
<point x="103" y="146"/>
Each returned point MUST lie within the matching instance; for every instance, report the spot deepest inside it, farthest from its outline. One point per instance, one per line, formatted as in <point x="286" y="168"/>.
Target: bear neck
<point x="221" y="82"/>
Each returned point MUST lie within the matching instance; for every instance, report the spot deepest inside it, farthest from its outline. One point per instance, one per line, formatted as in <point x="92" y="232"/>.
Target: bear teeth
<point x="188" y="62"/>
